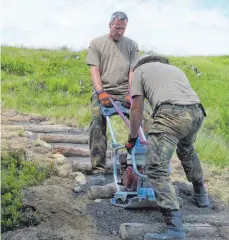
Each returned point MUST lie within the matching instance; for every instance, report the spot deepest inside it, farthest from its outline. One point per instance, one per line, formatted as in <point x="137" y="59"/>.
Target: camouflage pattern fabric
<point x="97" y="133"/>
<point x="173" y="126"/>
<point x="97" y="137"/>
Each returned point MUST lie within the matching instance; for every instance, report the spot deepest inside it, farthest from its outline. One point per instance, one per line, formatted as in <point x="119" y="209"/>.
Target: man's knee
<point x="158" y="171"/>
<point x="184" y="152"/>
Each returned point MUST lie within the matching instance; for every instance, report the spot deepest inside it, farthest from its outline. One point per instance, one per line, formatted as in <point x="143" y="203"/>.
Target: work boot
<point x="173" y="230"/>
<point x="97" y="179"/>
<point x="200" y="196"/>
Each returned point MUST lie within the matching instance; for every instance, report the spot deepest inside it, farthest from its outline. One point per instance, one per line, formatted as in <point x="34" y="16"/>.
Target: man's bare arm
<point x="130" y="77"/>
<point x="136" y="113"/>
<point x="96" y="78"/>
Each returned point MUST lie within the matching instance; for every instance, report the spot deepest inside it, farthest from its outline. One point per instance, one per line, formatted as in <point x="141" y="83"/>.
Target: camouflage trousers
<point x="97" y="134"/>
<point x="173" y="127"/>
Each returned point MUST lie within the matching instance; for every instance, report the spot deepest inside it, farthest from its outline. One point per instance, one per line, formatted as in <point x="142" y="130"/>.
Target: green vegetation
<point x="16" y="175"/>
<point x="57" y="84"/>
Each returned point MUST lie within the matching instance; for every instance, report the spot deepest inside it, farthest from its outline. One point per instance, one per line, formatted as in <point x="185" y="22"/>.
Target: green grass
<point x="57" y="84"/>
<point x="54" y="84"/>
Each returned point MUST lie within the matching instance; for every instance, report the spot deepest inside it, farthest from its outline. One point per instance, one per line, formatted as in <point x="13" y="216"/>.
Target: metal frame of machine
<point x="143" y="197"/>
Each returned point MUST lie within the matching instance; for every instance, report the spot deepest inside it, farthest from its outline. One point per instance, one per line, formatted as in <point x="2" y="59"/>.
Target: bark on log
<point x="132" y="230"/>
<point x="83" y="164"/>
<point x="51" y="129"/>
<point x="74" y="151"/>
<point x="58" y="138"/>
<point x="106" y="191"/>
<point x="85" y="168"/>
<point x="71" y="151"/>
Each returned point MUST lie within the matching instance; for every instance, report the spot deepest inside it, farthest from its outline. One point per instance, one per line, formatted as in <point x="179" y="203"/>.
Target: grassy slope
<point x="57" y="84"/>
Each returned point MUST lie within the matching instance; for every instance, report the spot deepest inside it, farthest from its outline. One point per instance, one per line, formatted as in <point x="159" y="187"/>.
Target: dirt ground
<point x="68" y="215"/>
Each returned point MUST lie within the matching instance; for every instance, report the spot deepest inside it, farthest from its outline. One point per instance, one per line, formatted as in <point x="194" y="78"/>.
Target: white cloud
<point x="178" y="27"/>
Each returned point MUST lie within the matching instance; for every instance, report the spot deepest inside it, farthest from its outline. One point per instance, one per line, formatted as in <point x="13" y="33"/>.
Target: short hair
<point x="119" y="15"/>
<point x="151" y="57"/>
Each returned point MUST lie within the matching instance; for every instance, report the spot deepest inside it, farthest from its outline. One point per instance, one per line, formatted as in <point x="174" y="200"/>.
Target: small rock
<point x="64" y="170"/>
<point x="80" y="178"/>
<point x="59" y="159"/>
<point x="28" y="134"/>
<point x="98" y="200"/>
<point x="73" y="175"/>
<point x="77" y="189"/>
<point x="115" y="233"/>
<point x="44" y="144"/>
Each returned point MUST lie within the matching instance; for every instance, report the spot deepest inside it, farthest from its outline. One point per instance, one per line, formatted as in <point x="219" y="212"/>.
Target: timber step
<point x="83" y="164"/>
<point x="51" y="129"/>
<point x="61" y="138"/>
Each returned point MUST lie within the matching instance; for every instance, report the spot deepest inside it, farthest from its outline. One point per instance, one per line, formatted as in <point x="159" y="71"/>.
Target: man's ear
<point x="110" y="24"/>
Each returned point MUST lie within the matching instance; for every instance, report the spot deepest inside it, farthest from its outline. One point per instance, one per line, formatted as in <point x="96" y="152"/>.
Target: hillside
<point x="46" y="94"/>
<point x="57" y="84"/>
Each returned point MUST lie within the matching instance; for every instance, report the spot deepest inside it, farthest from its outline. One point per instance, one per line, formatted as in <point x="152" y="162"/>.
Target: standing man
<point x="111" y="59"/>
<point x="177" y="118"/>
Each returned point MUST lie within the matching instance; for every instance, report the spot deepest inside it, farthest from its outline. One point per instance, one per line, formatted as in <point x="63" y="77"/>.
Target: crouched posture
<point x="177" y="118"/>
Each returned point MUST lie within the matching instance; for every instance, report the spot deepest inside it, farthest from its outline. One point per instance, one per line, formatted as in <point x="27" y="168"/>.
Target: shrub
<point x="16" y="175"/>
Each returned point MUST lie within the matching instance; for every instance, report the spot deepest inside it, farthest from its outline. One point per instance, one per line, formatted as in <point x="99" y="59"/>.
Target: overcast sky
<point x="177" y="27"/>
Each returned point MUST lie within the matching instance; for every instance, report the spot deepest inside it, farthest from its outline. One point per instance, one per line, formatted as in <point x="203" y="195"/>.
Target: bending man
<point x="177" y="118"/>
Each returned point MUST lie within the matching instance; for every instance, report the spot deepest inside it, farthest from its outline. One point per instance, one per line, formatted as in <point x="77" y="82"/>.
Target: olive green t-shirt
<point x="162" y="83"/>
<point x="114" y="60"/>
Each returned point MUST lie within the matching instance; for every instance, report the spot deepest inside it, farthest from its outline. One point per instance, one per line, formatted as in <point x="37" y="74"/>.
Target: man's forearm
<point x="96" y="78"/>
<point x="130" y="77"/>
<point x="135" y="121"/>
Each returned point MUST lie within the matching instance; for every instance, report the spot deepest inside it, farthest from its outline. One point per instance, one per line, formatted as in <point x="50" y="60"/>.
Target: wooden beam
<point x="71" y="151"/>
<point x="59" y="138"/>
<point x="51" y="129"/>
<point x="106" y="191"/>
<point x="132" y="230"/>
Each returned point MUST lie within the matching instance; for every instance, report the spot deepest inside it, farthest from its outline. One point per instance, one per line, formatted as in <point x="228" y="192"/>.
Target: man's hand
<point x="104" y="98"/>
<point x="126" y="104"/>
<point x="130" y="144"/>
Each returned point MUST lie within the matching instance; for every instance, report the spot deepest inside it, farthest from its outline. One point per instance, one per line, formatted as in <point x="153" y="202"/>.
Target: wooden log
<point x="106" y="191"/>
<point x="83" y="164"/>
<point x="133" y="230"/>
<point x="71" y="151"/>
<point x="50" y="129"/>
<point x="84" y="167"/>
<point x="58" y="138"/>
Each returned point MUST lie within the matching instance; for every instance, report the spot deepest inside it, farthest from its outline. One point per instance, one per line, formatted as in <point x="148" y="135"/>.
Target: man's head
<point x="151" y="57"/>
<point x="118" y="25"/>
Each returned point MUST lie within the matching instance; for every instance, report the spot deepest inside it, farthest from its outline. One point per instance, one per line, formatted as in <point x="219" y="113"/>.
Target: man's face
<point x="117" y="29"/>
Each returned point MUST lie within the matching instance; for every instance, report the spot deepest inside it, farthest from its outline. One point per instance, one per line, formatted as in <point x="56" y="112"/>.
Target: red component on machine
<point x="130" y="179"/>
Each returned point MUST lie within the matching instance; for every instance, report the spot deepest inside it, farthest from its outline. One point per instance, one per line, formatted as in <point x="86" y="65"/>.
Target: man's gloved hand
<point x="131" y="143"/>
<point x="104" y="98"/>
<point x="126" y="103"/>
